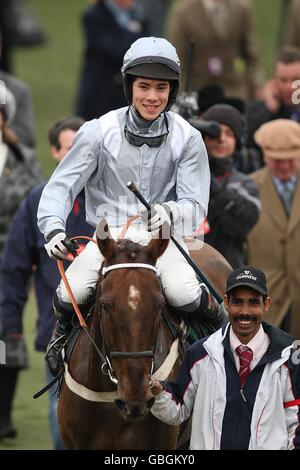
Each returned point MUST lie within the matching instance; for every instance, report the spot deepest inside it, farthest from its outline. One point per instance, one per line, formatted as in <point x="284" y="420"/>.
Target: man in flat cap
<point x="242" y="382"/>
<point x="274" y="242"/>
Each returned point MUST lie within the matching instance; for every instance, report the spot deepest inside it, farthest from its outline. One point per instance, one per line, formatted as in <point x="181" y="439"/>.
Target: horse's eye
<point x="104" y="307"/>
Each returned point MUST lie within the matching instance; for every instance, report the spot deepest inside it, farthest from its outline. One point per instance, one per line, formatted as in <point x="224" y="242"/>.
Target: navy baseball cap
<point x="247" y="276"/>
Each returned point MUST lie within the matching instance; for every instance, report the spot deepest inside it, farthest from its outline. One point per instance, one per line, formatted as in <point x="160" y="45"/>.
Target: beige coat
<point x="235" y="47"/>
<point x="274" y="247"/>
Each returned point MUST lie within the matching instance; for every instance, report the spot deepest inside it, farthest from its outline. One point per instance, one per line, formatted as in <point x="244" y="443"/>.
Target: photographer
<point x="234" y="204"/>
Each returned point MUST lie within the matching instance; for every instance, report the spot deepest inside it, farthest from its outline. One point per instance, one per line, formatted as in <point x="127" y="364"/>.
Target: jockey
<point x="164" y="155"/>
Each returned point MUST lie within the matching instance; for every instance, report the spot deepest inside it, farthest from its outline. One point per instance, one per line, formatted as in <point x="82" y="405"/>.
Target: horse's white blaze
<point x="134" y="297"/>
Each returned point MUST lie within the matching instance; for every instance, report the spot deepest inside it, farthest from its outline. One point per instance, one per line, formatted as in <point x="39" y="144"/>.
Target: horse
<point x="105" y="398"/>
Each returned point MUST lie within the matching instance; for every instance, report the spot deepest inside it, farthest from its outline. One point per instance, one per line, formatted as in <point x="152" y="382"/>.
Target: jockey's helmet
<point x="154" y="58"/>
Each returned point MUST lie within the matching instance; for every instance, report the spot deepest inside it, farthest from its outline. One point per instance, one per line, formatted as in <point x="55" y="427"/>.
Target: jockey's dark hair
<point x="288" y="55"/>
<point x="72" y="123"/>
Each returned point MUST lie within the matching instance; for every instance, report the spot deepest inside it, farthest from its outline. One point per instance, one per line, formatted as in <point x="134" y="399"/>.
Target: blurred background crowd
<point x="59" y="66"/>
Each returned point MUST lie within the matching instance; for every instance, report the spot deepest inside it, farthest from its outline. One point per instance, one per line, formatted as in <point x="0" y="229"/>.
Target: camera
<point x="187" y="107"/>
<point x="210" y="128"/>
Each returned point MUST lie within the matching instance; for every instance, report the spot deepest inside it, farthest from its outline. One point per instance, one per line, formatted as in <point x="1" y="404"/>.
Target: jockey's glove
<point x="59" y="245"/>
<point x="155" y="217"/>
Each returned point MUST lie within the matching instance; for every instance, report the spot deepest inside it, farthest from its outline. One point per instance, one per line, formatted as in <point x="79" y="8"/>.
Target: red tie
<point x="246" y="356"/>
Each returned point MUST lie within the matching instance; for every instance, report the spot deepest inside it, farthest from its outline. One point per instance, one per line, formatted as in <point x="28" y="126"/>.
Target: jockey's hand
<point x="155" y="218"/>
<point x="156" y="387"/>
<point x="59" y="245"/>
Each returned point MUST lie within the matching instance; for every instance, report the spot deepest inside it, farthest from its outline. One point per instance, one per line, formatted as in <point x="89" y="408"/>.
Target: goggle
<point x="139" y="140"/>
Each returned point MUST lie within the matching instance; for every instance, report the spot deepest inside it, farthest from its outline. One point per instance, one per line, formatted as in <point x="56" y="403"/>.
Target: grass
<point x="52" y="72"/>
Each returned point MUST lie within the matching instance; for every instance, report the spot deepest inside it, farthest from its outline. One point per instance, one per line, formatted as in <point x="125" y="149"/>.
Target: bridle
<point x="107" y="367"/>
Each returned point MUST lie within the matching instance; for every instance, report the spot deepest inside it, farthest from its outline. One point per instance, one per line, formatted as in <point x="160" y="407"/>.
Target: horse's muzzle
<point x="134" y="410"/>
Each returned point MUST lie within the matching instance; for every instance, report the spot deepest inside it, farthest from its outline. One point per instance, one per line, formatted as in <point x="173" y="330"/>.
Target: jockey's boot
<point x="207" y="317"/>
<point x="63" y="313"/>
<point x="210" y="309"/>
<point x="53" y="353"/>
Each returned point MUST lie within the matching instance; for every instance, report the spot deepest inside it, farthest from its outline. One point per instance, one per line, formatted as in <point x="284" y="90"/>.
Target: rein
<point x="66" y="282"/>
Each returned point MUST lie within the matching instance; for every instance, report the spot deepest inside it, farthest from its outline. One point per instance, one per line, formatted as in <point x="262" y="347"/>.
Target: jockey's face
<point x="150" y="97"/>
<point x="246" y="308"/>
<point x="223" y="146"/>
<point x="65" y="139"/>
<point x="283" y="169"/>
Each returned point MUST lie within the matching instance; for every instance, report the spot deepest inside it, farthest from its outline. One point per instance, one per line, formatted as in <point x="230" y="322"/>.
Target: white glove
<point x="155" y="218"/>
<point x="59" y="245"/>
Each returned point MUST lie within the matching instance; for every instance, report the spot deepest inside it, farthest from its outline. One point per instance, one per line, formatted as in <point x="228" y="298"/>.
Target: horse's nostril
<point x="120" y="404"/>
<point x="150" y="402"/>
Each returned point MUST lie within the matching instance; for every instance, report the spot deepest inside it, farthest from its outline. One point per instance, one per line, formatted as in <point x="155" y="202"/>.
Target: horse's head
<point x="130" y="305"/>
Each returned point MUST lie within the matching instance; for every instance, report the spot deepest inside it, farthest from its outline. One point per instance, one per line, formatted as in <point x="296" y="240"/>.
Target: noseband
<point x="107" y="368"/>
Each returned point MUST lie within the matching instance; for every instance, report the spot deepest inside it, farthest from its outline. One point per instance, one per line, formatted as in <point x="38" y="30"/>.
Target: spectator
<point x="214" y="94"/>
<point x="20" y="27"/>
<point x="241" y="383"/>
<point x="155" y="12"/>
<point x="225" y="45"/>
<point x="23" y="122"/>
<point x="274" y="243"/>
<point x="18" y="170"/>
<point x="245" y="160"/>
<point x="18" y="174"/>
<point x="277" y="101"/>
<point x="234" y="200"/>
<point x="109" y="29"/>
<point x="23" y="255"/>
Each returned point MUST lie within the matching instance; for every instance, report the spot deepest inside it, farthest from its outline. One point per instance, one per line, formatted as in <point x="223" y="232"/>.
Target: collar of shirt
<point x="279" y="184"/>
<point x="218" y="12"/>
<point x="258" y="344"/>
<point x="124" y="17"/>
<point x="213" y="5"/>
<point x="139" y="126"/>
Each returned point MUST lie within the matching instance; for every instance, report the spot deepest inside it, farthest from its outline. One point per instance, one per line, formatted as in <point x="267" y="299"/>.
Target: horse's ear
<point x="105" y="242"/>
<point x="157" y="246"/>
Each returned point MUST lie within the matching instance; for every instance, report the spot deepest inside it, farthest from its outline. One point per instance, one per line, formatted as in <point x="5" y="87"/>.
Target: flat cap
<point x="279" y="139"/>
